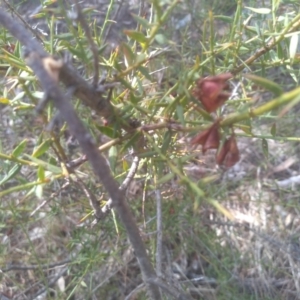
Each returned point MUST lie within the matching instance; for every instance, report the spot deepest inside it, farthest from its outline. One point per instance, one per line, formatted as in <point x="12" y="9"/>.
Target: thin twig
<point x="141" y="9"/>
<point x="114" y="18"/>
<point x="172" y="125"/>
<point x="112" y="273"/>
<point x="35" y="267"/>
<point x="293" y="26"/>
<point x="134" y="292"/>
<point x="159" y="242"/>
<point x="51" y="283"/>
<point x="49" y="199"/>
<point x="92" y="44"/>
<point x="109" y="204"/>
<point x="94" y="203"/>
<point x="23" y="21"/>
<point x="152" y="56"/>
<point x="177" y="294"/>
<point x="131" y="173"/>
<point x="108" y="11"/>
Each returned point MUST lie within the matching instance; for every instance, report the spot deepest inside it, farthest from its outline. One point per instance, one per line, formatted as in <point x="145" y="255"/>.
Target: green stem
<point x="192" y="185"/>
<point x="254" y="112"/>
<point x="22" y="187"/>
<point x="212" y="40"/>
<point x="109" y="10"/>
<point x="236" y="20"/>
<point x="291" y="27"/>
<point x="15" y="159"/>
<point x="271" y="137"/>
<point x="158" y="25"/>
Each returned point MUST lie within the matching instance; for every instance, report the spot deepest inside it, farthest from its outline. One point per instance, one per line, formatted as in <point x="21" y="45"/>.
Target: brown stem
<point x="36" y="60"/>
<point x="293" y="26"/>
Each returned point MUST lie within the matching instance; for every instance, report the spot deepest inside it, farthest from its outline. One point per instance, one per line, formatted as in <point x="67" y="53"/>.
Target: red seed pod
<point x="213" y="91"/>
<point x="229" y="154"/>
<point x="209" y="138"/>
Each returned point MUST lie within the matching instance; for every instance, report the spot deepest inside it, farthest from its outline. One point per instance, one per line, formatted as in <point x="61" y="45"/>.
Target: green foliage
<point x="156" y="66"/>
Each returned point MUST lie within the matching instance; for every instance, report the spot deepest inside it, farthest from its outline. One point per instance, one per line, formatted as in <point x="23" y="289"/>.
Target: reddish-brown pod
<point x="229" y="154"/>
<point x="209" y="138"/>
<point x="213" y="91"/>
